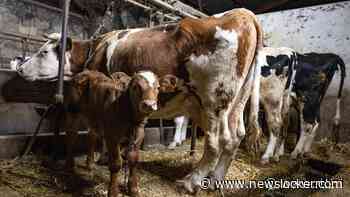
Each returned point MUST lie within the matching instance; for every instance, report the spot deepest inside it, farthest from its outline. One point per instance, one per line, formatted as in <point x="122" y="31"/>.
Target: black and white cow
<point x="287" y="74"/>
<point x="277" y="72"/>
<point x="315" y="72"/>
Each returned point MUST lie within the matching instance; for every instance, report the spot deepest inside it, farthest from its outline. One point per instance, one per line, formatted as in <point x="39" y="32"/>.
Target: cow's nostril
<point x="20" y="69"/>
<point x="149" y="106"/>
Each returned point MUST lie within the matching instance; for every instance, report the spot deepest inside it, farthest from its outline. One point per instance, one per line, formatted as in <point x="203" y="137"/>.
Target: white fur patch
<point x="270" y="147"/>
<point x="207" y="71"/>
<point x="220" y="14"/>
<point x="199" y="60"/>
<point x="227" y="38"/>
<point x="110" y="49"/>
<point x="150" y="77"/>
<point x="337" y="114"/>
<point x="113" y="42"/>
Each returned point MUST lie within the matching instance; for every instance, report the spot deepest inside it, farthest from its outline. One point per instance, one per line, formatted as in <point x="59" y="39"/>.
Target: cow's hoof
<point x="103" y="160"/>
<point x="187" y="185"/>
<point x="113" y="192"/>
<point x="210" y="181"/>
<point x="276" y="159"/>
<point x="90" y="166"/>
<point x="68" y="168"/>
<point x="294" y="155"/>
<point x="134" y="192"/>
<point x="264" y="161"/>
<point x="133" y="188"/>
<point x="172" y="145"/>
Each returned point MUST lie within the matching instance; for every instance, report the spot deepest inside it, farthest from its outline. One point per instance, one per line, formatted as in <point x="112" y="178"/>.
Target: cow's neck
<point x="79" y="54"/>
<point x="194" y="36"/>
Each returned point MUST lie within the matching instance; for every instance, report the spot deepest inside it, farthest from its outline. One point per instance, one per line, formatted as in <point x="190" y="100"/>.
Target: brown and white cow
<point x="214" y="56"/>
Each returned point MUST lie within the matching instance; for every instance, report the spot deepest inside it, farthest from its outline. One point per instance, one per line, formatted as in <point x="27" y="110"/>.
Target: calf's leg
<point x="274" y="122"/>
<point x="133" y="158"/>
<point x="70" y="138"/>
<point x="92" y="139"/>
<point x="115" y="164"/>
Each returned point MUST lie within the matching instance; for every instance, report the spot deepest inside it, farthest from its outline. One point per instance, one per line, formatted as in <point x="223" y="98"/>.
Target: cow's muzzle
<point x="148" y="106"/>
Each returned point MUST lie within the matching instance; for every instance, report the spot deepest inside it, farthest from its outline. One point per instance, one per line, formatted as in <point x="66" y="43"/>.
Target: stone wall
<point x="20" y="19"/>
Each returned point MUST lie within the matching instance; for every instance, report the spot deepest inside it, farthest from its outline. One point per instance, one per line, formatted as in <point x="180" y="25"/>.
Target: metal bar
<point x="16" y="39"/>
<point x="59" y="95"/>
<point x="186" y="8"/>
<point x="161" y="131"/>
<point x="51" y="8"/>
<point x="171" y="8"/>
<point x="34" y="38"/>
<point x="193" y="139"/>
<point x="149" y="9"/>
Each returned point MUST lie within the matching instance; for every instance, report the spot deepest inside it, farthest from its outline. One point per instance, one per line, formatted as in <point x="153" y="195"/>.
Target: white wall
<point x="324" y="28"/>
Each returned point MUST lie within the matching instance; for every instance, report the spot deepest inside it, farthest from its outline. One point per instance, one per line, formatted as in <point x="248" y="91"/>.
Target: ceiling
<point x="207" y="6"/>
<point x="216" y="6"/>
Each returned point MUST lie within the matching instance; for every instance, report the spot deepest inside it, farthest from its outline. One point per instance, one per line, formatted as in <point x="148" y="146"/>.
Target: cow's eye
<point x="44" y="52"/>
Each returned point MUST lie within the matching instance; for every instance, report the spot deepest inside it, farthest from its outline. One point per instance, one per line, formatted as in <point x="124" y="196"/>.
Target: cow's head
<point x="43" y="65"/>
<point x="17" y="61"/>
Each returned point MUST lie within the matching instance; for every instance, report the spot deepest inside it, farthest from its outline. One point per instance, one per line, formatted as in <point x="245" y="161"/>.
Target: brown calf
<point x="116" y="108"/>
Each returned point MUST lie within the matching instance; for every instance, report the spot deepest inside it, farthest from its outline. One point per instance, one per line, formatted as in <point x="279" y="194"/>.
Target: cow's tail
<point x="254" y="131"/>
<point x="336" y="123"/>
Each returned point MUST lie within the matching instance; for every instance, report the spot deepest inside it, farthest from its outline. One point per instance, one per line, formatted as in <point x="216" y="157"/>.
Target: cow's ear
<point x="168" y="83"/>
<point x="109" y="98"/>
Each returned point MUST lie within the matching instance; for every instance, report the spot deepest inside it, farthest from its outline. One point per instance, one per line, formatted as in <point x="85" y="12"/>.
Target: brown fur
<point x="107" y="106"/>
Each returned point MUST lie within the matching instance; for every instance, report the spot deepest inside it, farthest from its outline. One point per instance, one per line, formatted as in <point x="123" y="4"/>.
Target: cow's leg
<point x="274" y="122"/>
<point x="254" y="130"/>
<point x="103" y="160"/>
<point x="310" y="139"/>
<point x="115" y="164"/>
<point x="92" y="139"/>
<point x="284" y="127"/>
<point x="133" y="158"/>
<point x="303" y="135"/>
<point x="280" y="151"/>
<point x="232" y="123"/>
<point x="209" y="158"/>
<point x="184" y="129"/>
<point x="230" y="139"/>
<point x="177" y="135"/>
<point x="70" y="127"/>
<point x="70" y="138"/>
<point x="193" y="138"/>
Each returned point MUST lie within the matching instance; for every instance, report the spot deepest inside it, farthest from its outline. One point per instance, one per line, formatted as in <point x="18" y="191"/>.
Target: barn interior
<point x="307" y="26"/>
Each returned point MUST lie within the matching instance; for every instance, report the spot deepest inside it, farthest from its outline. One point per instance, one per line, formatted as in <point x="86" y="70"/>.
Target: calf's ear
<point x="168" y="83"/>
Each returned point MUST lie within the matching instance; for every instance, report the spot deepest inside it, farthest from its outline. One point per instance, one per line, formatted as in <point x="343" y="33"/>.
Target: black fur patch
<point x="275" y="63"/>
<point x="122" y="34"/>
<point x="163" y="98"/>
<point x="314" y="74"/>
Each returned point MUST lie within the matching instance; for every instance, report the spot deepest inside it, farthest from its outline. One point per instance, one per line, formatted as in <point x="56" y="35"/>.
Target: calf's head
<point x="145" y="87"/>
<point x="143" y="91"/>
